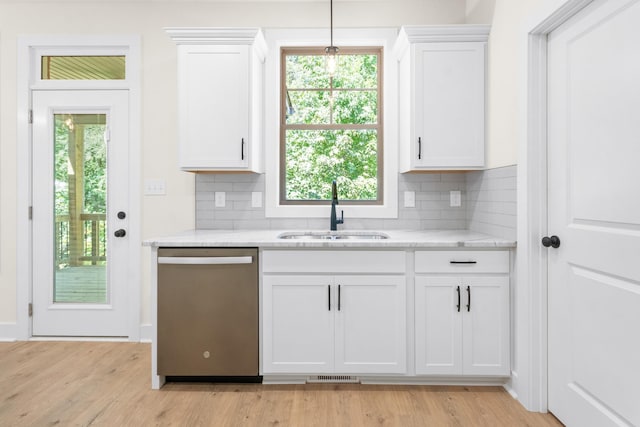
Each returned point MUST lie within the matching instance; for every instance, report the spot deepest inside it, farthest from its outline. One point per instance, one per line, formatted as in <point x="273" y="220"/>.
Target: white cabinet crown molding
<point x="220" y="36"/>
<point x="409" y="34"/>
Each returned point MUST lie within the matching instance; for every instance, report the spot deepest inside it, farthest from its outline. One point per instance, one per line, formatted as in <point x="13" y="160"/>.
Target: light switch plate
<point x="409" y="199"/>
<point x="220" y="199"/>
<point x="154" y="187"/>
<point x="256" y="199"/>
<point x="455" y="198"/>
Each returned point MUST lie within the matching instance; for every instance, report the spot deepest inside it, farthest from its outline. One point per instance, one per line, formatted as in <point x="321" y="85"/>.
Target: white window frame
<point x="278" y="38"/>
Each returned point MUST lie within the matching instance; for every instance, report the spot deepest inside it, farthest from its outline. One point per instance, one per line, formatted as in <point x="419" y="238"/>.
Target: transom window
<point x="331" y="126"/>
<point x="83" y="67"/>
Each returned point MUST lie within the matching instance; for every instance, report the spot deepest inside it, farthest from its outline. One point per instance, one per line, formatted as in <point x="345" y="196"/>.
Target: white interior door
<point x="80" y="207"/>
<point x="594" y="209"/>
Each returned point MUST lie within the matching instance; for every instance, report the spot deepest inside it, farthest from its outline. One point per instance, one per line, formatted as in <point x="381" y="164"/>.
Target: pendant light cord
<point x="331" y="20"/>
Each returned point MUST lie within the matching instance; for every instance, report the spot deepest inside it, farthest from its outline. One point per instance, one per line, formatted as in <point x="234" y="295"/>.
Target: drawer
<point x="333" y="262"/>
<point x="462" y="262"/>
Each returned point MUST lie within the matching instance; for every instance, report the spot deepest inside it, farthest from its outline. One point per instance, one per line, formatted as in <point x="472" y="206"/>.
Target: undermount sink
<point x="333" y="235"/>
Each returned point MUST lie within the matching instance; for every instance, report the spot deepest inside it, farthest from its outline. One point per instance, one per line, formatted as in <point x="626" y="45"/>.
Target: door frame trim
<point x="129" y="46"/>
<point x="530" y="382"/>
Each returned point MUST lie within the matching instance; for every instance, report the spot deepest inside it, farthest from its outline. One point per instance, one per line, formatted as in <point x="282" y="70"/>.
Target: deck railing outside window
<point x="90" y="249"/>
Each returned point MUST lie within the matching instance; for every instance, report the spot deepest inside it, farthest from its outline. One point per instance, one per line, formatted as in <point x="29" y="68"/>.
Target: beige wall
<point x="512" y="21"/>
<point x="479" y="11"/>
<point x="175" y="211"/>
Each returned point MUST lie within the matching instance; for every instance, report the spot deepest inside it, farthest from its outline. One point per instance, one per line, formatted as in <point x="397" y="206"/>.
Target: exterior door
<point x="594" y="210"/>
<point x="80" y="196"/>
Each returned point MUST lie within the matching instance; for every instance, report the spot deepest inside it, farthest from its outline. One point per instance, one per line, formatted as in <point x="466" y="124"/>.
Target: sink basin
<point x="333" y="235"/>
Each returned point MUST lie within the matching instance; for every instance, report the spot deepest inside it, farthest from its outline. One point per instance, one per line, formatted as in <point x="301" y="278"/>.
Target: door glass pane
<point x="83" y="68"/>
<point x="80" y="204"/>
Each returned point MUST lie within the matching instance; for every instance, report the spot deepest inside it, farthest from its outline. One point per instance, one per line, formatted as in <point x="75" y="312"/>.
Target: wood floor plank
<point x="108" y="384"/>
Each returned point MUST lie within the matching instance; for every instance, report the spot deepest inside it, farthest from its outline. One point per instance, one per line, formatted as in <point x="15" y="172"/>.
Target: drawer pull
<point x="463" y="262"/>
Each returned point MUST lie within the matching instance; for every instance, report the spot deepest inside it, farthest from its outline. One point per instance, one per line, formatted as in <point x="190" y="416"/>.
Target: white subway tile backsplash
<point x="488" y="204"/>
<point x="491" y="201"/>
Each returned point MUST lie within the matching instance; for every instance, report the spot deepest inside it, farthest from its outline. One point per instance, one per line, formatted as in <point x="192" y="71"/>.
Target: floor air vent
<point x="344" y="379"/>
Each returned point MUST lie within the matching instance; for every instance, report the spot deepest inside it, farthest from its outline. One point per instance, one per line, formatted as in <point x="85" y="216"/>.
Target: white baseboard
<point x="512" y="385"/>
<point x="393" y="380"/>
<point x="145" y="332"/>
<point x="8" y="332"/>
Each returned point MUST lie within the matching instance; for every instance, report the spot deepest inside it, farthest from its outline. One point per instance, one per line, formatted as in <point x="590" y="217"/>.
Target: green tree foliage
<point x="94" y="192"/>
<point x="331" y="130"/>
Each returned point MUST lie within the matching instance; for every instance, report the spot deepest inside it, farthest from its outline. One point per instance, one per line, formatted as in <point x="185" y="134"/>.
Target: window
<point x="78" y="67"/>
<point x="331" y="127"/>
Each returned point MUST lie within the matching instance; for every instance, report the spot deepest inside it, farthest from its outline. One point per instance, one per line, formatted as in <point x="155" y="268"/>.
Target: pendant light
<point x="331" y="51"/>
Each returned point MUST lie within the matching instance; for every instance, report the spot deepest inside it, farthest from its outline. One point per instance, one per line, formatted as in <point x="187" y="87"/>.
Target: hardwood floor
<point x="108" y="384"/>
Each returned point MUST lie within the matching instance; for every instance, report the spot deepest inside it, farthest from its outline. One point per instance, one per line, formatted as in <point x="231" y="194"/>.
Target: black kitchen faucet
<point x="334" y="201"/>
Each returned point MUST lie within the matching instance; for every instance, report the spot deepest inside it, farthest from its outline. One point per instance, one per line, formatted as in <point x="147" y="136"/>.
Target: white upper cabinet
<point x="220" y="84"/>
<point x="442" y="97"/>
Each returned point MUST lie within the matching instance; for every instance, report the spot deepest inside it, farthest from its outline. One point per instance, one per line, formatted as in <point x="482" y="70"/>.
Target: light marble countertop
<point x="269" y="239"/>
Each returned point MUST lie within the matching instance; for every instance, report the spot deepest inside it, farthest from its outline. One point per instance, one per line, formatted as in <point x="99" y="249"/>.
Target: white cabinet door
<point x="318" y="324"/>
<point x="485" y="325"/>
<point x="370" y="324"/>
<point x="462" y="325"/>
<point x="213" y="87"/>
<point x="449" y="105"/>
<point x="438" y="331"/>
<point x="298" y="324"/>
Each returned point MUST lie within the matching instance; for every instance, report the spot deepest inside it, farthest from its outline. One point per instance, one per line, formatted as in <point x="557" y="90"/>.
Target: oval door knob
<point x="120" y="233"/>
<point x="553" y="241"/>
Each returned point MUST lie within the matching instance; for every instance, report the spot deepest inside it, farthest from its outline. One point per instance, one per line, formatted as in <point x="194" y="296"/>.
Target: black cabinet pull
<point x="242" y="150"/>
<point x="468" y="298"/>
<point x="329" y="289"/>
<point x="419" y="148"/>
<point x="463" y="262"/>
<point x="338" y="297"/>
<point x="458" y="306"/>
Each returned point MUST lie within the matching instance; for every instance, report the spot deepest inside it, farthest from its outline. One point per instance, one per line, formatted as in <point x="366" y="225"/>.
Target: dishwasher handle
<point x="216" y="260"/>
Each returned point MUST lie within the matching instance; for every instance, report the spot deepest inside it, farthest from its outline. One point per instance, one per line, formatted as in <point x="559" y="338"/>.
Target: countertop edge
<point x="268" y="239"/>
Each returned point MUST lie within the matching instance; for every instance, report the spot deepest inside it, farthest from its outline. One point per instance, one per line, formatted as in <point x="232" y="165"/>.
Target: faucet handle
<point x="341" y="220"/>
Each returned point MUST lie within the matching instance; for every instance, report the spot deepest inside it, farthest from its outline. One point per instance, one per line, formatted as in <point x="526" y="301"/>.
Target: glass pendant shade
<point x="331" y="59"/>
<point x="331" y="51"/>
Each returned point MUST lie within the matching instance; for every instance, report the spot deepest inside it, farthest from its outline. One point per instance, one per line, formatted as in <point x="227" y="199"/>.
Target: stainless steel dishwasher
<point x="208" y="312"/>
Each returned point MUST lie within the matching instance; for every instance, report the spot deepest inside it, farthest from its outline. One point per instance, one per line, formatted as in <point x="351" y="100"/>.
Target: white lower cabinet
<point x="345" y="312"/>
<point x="334" y="324"/>
<point x="343" y="323"/>
<point x="462" y="321"/>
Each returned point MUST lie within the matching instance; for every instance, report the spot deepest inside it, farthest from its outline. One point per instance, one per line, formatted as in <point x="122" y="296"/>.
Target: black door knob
<point x="122" y="215"/>
<point x="120" y="233"/>
<point x="553" y="241"/>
